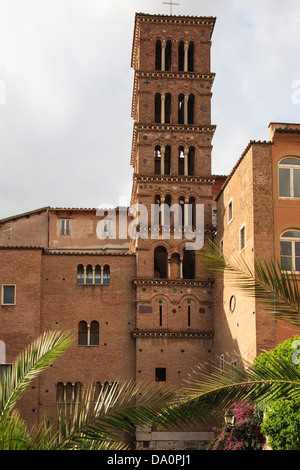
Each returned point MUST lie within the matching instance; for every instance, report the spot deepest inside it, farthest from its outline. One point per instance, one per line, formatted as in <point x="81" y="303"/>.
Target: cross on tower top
<point x="171" y="4"/>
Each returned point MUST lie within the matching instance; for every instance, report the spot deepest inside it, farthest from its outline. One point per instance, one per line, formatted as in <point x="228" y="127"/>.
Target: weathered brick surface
<point x="240" y="335"/>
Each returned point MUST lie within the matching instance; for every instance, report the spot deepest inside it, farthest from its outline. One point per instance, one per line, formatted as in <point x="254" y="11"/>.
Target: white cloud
<point x="65" y="127"/>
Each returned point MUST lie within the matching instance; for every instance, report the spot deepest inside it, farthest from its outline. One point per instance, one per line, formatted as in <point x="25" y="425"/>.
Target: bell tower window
<point x="158" y="55"/>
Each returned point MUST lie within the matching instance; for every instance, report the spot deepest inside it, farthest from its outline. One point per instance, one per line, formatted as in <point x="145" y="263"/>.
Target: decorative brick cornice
<point x="166" y="75"/>
<point x="88" y="252"/>
<point x="174" y="282"/>
<point x="167" y="19"/>
<point x="172" y="179"/>
<point x="160" y="179"/>
<point x="172" y="334"/>
<point x="180" y="128"/>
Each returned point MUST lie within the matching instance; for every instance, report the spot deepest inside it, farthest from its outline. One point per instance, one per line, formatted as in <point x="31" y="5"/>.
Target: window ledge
<point x="92" y="285"/>
<point x="289" y="198"/>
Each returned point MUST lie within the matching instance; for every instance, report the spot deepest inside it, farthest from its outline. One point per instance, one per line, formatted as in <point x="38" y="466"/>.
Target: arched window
<point x="181" y="108"/>
<point x="97" y="274"/>
<point x="168" y="108"/>
<point x="97" y="390"/>
<point x="191" y="103"/>
<point x="94" y="333"/>
<point x="89" y="274"/>
<point x="168" y="55"/>
<point x="160" y="262"/>
<point x="181" y="160"/>
<point x="106" y="389"/>
<point x="168" y="215"/>
<point x="181" y="56"/>
<point x="186" y="167"/>
<point x="191" y="161"/>
<point x="157" y="107"/>
<point x="160" y="313"/>
<point x="106" y="275"/>
<point x="168" y="200"/>
<point x="290" y="250"/>
<point x="157" y="202"/>
<point x="69" y="392"/>
<point x="158" y="55"/>
<point x="191" y="57"/>
<point x="82" y="333"/>
<point x="157" y="160"/>
<point x="77" y="392"/>
<point x="189" y="264"/>
<point x="289" y="177"/>
<point x="80" y="274"/>
<point x="167" y="160"/>
<point x="181" y="214"/>
<point x="60" y="392"/>
<point x="157" y="199"/>
<point x="192" y="212"/>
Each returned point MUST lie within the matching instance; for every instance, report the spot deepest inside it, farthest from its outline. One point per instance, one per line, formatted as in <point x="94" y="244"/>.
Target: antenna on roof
<point x="171" y="4"/>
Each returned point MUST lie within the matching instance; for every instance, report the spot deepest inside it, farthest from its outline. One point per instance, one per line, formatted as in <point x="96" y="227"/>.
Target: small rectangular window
<point x="65" y="227"/>
<point x="233" y="368"/>
<point x="8" y="295"/>
<point x="221" y="247"/>
<point x="296" y="181"/>
<point x="214" y="217"/>
<point x="160" y="315"/>
<point x="230" y="211"/>
<point x="108" y="228"/>
<point x="284" y="182"/>
<point x="242" y="237"/>
<point x="160" y="374"/>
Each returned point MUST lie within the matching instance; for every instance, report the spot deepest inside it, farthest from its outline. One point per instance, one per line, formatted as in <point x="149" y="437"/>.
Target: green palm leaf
<point x="276" y="378"/>
<point x="114" y="416"/>
<point x="32" y="361"/>
<point x="277" y="290"/>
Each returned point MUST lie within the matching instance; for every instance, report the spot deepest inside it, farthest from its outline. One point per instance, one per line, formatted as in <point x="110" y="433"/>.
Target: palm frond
<point x="31" y="362"/>
<point x="277" y="290"/>
<point x="115" y="414"/>
<point x="14" y="434"/>
<point x="276" y="378"/>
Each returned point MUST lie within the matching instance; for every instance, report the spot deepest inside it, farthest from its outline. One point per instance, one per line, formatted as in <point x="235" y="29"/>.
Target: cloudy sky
<point x="66" y="85"/>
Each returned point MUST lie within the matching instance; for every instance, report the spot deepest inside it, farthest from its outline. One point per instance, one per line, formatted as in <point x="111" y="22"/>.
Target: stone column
<point x="186" y="160"/>
<point x="186" y="211"/>
<point x="163" y="99"/>
<point x="163" y="56"/>
<point x="186" y="99"/>
<point x="162" y="201"/>
<point x="186" y="50"/>
<point x="162" y="160"/>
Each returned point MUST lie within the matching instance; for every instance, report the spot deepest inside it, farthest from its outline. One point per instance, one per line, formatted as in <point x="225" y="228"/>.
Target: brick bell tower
<point x="171" y="157"/>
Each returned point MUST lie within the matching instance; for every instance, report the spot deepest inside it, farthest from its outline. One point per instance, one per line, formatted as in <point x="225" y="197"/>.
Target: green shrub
<point x="281" y="423"/>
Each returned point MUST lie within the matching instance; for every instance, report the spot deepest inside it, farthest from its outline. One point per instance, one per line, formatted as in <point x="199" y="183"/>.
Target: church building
<point x="132" y="289"/>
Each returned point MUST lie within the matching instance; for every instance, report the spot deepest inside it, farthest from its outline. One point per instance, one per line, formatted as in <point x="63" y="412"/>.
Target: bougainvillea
<point x="244" y="434"/>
